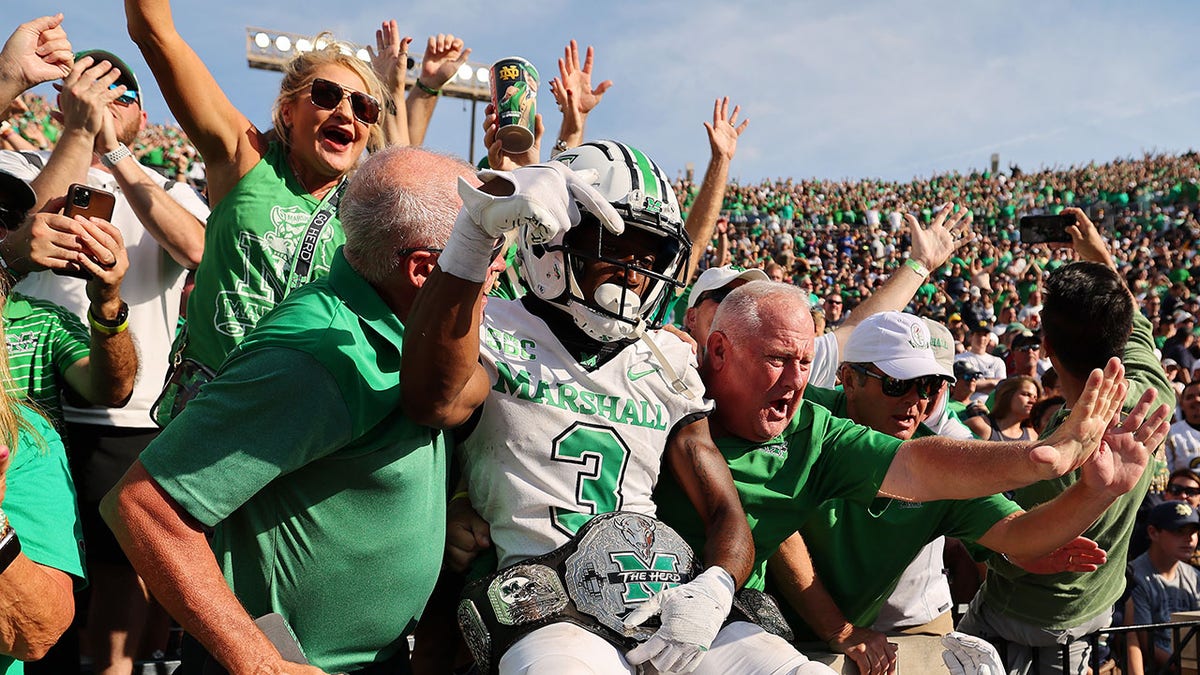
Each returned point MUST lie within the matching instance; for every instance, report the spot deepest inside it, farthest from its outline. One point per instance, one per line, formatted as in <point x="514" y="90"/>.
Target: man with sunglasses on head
<point x="161" y="223"/>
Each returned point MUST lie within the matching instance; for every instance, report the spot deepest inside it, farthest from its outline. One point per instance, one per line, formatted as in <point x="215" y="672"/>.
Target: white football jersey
<point x="556" y="444"/>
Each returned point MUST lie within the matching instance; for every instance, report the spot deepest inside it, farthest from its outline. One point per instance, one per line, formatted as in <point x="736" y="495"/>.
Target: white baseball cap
<point x="718" y="277"/>
<point x="942" y="344"/>
<point x="897" y="343"/>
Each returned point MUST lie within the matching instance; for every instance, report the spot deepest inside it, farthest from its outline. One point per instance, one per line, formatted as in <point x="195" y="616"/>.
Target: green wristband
<point x="917" y="267"/>
<point x="427" y="89"/>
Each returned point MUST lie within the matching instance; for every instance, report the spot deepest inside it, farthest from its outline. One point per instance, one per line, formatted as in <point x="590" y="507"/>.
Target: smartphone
<point x="1046" y="229"/>
<point x="88" y="202"/>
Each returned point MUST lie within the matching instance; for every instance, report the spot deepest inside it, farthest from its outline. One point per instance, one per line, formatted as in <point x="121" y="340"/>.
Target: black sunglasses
<point x="328" y="95"/>
<point x="717" y="295"/>
<point x="1028" y="348"/>
<point x="1183" y="491"/>
<point x="927" y="385"/>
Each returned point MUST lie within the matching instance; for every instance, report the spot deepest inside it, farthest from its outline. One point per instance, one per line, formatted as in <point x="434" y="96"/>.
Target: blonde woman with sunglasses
<point x="273" y="193"/>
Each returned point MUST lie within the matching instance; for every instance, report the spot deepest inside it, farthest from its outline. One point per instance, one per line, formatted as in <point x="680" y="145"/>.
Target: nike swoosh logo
<point x="634" y="377"/>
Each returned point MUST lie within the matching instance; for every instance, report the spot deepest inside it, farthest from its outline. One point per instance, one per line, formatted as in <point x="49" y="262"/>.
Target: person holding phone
<point x="160" y="224"/>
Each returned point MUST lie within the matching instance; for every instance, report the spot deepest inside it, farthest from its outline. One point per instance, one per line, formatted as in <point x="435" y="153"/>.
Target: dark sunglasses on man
<point x="927" y="385"/>
<point x="717" y="295"/>
<point x="1182" y="490"/>
<point x="328" y="95"/>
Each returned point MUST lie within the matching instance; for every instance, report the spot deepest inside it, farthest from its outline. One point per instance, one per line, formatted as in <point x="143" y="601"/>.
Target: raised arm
<point x="792" y="569"/>
<point x="576" y="98"/>
<point x="38" y="51"/>
<point x="228" y="141"/>
<point x="931" y="248"/>
<point x="444" y="53"/>
<point x="390" y="61"/>
<point x="723" y="133"/>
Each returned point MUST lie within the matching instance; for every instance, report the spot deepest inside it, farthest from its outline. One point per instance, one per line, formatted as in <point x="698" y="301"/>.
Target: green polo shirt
<point x="328" y="503"/>
<point x="860" y="551"/>
<point x="44" y="340"/>
<point x="783" y="480"/>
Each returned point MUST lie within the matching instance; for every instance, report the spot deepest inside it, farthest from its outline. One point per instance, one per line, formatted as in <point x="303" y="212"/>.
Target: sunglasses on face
<point x="1183" y="491"/>
<point x="927" y="385"/>
<point x="1028" y="348"/>
<point x="328" y="95"/>
<point x="716" y="295"/>
<point x="128" y="98"/>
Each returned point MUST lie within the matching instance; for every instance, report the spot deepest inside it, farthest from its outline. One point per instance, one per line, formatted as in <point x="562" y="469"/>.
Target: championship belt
<point x="613" y="564"/>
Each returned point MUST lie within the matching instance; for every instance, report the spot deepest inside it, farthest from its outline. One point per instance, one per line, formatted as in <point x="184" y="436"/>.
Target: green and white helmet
<point x="640" y="192"/>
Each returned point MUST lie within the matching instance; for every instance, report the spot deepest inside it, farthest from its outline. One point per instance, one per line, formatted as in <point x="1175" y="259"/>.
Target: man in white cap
<point x="708" y="292"/>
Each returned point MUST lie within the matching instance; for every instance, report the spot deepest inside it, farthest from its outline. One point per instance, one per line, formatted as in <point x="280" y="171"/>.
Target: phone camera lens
<point x="82" y="199"/>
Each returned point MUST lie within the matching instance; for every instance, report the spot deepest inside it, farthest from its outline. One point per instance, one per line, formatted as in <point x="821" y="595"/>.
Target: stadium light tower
<point x="270" y="49"/>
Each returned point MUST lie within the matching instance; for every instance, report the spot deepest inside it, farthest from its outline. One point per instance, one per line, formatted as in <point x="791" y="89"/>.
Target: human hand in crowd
<point x="467" y="534"/>
<point x="85" y="95"/>
<point x="573" y="91"/>
<point x="934" y="245"/>
<point x="1080" y="555"/>
<point x="47" y="240"/>
<point x="868" y="649"/>
<point x="500" y="160"/>
<point x="38" y="51"/>
<point x="104" y="257"/>
<point x="969" y="655"/>
<point x="389" y="58"/>
<point x="1081" y="433"/>
<point x="724" y="130"/>
<point x="444" y="53"/>
<point x="1086" y="239"/>
<point x="1119" y="462"/>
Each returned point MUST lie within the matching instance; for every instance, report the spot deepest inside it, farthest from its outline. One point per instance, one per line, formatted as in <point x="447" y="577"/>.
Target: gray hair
<point x="401" y="197"/>
<point x="740" y="317"/>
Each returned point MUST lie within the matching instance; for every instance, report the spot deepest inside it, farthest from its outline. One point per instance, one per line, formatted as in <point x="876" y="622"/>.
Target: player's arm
<point x="796" y="579"/>
<point x="704" y="476"/>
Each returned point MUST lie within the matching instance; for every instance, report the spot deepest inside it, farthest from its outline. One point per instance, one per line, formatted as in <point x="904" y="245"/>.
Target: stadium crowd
<point x="866" y="337"/>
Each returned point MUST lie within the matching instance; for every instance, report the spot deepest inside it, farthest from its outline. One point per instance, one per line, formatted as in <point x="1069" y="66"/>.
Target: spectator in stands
<point x="1009" y="417"/>
<point x="159" y="224"/>
<point x="1183" y="442"/>
<point x="1160" y="585"/>
<point x="1088" y="318"/>
<point x="990" y="368"/>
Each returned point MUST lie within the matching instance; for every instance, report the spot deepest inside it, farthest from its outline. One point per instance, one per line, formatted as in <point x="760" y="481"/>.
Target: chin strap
<point x="674" y="380"/>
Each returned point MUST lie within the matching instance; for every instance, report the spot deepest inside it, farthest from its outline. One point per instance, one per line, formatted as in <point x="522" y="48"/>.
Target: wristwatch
<point x="111" y="158"/>
<point x="10" y="546"/>
<point x="110" y="327"/>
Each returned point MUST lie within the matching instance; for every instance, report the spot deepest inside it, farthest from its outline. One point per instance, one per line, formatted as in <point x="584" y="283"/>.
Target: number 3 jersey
<point x="557" y="443"/>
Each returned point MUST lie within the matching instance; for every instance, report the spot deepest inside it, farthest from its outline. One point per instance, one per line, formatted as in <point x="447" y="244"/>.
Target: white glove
<point x="692" y="615"/>
<point x="970" y="655"/>
<point x="543" y="197"/>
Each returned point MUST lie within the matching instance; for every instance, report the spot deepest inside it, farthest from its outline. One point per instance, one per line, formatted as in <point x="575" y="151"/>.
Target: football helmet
<point x="640" y="192"/>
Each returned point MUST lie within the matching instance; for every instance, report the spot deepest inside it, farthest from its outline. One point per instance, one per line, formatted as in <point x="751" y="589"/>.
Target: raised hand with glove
<point x="692" y="614"/>
<point x="545" y="198"/>
<point x="970" y="655"/>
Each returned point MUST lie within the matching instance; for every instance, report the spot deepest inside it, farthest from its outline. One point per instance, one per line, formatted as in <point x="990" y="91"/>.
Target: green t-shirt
<point x="44" y="340"/>
<point x="39" y="501"/>
<point x="328" y="503"/>
<point x="860" y="551"/>
<point x="1058" y="601"/>
<point x="782" y="481"/>
<point x="253" y="236"/>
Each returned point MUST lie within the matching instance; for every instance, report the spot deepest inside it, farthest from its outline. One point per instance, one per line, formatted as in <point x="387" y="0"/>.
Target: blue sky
<point x="833" y="89"/>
